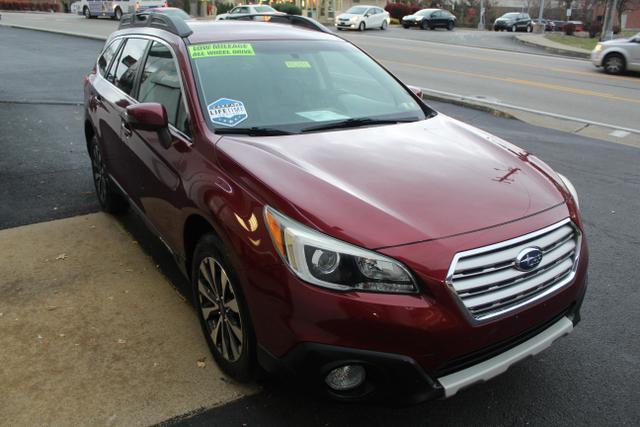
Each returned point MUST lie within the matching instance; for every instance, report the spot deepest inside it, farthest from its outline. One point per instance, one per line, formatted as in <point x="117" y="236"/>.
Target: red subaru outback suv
<point x="332" y="225"/>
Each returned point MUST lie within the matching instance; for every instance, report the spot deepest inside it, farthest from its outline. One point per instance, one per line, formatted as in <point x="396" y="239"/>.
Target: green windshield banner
<point x="220" y="49"/>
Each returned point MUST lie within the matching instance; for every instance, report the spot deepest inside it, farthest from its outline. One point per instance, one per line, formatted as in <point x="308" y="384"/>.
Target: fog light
<point x="346" y="377"/>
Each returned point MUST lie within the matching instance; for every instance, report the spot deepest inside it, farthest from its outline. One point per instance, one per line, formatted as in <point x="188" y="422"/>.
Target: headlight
<point x="330" y="263"/>
<point x="419" y="18"/>
<point x="353" y="19"/>
<point x="570" y="188"/>
<point x="598" y="47"/>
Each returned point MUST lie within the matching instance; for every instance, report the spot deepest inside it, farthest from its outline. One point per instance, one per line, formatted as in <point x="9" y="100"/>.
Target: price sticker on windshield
<point x="210" y="50"/>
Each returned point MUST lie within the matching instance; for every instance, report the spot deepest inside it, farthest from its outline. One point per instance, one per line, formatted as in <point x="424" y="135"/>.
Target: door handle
<point x="126" y="129"/>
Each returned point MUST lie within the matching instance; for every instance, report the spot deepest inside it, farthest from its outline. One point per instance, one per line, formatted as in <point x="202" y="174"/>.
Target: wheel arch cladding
<point x="195" y="227"/>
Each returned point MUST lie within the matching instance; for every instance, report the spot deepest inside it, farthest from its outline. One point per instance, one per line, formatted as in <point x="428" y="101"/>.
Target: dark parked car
<point x="548" y="24"/>
<point x="430" y="19"/>
<point x="513" y="21"/>
<point x="559" y="25"/>
<point x="331" y="224"/>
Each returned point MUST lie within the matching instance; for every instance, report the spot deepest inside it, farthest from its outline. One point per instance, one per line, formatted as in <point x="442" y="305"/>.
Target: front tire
<point x="423" y="25"/>
<point x="222" y="310"/>
<point x="110" y="199"/>
<point x="384" y="25"/>
<point x="450" y="25"/>
<point x="118" y="14"/>
<point x="87" y="12"/>
<point x="614" y="64"/>
<point x="362" y="26"/>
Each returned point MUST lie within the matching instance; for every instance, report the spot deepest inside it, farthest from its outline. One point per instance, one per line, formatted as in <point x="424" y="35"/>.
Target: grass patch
<point x="582" y="43"/>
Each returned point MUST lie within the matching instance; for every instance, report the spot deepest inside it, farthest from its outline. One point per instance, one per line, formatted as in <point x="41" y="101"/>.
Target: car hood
<point x="348" y="15"/>
<point x="616" y="42"/>
<point x="410" y="17"/>
<point x="391" y="185"/>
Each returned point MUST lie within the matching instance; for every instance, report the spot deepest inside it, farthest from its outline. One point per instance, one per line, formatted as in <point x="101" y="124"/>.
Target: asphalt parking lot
<point x="588" y="378"/>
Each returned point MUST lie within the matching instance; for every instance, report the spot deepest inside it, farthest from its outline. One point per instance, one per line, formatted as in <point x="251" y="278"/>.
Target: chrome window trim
<point x="135" y="101"/>
<point x="562" y="283"/>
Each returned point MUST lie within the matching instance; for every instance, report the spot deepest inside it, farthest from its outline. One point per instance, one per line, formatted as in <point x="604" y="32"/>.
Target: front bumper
<point x="411" y="23"/>
<point x="347" y="25"/>
<point x="596" y="58"/>
<point x="398" y="379"/>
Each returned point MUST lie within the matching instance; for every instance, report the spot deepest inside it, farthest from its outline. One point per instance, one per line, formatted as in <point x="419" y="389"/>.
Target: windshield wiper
<point x="252" y="131"/>
<point x="354" y="123"/>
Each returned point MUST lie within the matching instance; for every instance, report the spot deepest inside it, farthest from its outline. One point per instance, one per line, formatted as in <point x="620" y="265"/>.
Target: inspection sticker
<point x="227" y="112"/>
<point x="297" y="64"/>
<point x="209" y="50"/>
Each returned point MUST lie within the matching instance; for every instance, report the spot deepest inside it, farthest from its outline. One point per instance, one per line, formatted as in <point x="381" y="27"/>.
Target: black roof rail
<point x="163" y="21"/>
<point x="297" y="20"/>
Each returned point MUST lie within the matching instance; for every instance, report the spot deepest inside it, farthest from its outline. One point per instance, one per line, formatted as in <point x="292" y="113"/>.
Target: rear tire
<point x="514" y="28"/>
<point x="118" y="14"/>
<point x="109" y="197"/>
<point x="529" y="28"/>
<point x="362" y="26"/>
<point x="222" y="310"/>
<point x="87" y="13"/>
<point x="614" y="64"/>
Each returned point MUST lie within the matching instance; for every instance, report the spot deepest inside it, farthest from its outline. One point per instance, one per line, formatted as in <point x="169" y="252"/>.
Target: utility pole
<point x="481" y="23"/>
<point x="540" y="26"/>
<point x="607" y="26"/>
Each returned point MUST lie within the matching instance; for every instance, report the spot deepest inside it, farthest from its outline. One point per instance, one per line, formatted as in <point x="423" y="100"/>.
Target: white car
<point x="115" y="8"/>
<point x="248" y="9"/>
<point x="362" y="18"/>
<point x="617" y="56"/>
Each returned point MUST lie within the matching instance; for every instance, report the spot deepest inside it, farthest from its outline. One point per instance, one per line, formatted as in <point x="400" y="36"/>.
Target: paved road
<point x="588" y="378"/>
<point x="547" y="83"/>
<point x="459" y="36"/>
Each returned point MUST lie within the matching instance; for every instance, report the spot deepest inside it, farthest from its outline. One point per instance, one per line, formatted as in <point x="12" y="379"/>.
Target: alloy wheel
<point x="514" y="29"/>
<point x="220" y="309"/>
<point x="99" y="173"/>
<point x="613" y="65"/>
<point x="87" y="14"/>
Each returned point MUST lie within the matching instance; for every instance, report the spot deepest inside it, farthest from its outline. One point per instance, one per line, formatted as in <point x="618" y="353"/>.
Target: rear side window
<point x="107" y="56"/>
<point x="128" y="64"/>
<point x="160" y="83"/>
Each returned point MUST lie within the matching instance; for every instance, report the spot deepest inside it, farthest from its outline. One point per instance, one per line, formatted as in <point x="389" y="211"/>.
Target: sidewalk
<point x="91" y="333"/>
<point x="540" y="40"/>
<point x="61" y="23"/>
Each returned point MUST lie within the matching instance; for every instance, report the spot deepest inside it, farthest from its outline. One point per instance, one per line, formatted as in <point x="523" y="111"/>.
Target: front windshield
<point x="510" y="15"/>
<point x="425" y="12"/>
<point x="357" y="10"/>
<point x="293" y="86"/>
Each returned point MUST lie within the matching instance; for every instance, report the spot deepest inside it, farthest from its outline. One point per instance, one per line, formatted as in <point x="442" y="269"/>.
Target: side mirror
<point x="150" y="116"/>
<point x="416" y="91"/>
<point x="366" y="15"/>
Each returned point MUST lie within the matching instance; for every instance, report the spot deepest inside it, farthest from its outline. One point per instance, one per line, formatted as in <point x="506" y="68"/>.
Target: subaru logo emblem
<point x="528" y="259"/>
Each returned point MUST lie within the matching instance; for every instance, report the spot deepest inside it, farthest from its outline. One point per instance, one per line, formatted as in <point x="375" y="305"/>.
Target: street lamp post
<point x="481" y="23"/>
<point x="540" y="26"/>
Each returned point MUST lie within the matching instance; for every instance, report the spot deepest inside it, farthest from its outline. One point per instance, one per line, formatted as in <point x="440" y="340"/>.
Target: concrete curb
<point x="558" y="51"/>
<point x="469" y="104"/>
<point x="49" y="30"/>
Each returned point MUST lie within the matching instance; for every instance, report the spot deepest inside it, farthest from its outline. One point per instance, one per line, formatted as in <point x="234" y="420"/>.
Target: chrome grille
<point x="488" y="284"/>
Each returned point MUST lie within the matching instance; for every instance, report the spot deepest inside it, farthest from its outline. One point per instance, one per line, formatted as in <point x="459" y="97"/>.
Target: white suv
<point x="617" y="56"/>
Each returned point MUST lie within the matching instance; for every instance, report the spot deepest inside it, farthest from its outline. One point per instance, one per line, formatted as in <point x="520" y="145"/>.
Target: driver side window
<point x="160" y="83"/>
